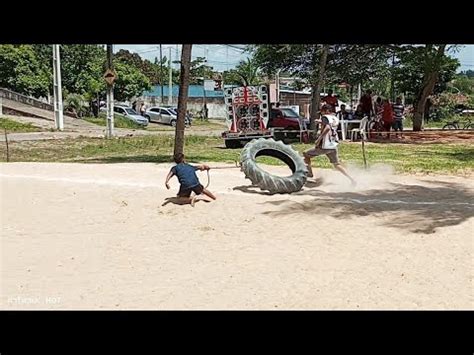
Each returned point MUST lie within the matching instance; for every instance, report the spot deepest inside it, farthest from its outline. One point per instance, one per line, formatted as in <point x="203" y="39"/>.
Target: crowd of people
<point x="383" y="115"/>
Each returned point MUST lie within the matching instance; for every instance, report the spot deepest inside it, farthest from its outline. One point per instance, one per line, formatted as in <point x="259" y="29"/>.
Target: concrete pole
<point x="170" y="92"/>
<point x="161" y="76"/>
<point x="58" y="95"/>
<point x="110" y="95"/>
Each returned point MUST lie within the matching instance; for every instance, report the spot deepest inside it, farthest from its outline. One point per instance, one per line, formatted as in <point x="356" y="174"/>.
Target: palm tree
<point x="249" y="72"/>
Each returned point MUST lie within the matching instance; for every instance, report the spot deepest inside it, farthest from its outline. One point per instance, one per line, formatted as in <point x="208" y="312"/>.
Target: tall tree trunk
<point x="429" y="81"/>
<point x="316" y="90"/>
<point x="183" y="97"/>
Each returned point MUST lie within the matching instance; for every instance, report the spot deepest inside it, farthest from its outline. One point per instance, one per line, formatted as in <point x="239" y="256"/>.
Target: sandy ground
<point x="96" y="236"/>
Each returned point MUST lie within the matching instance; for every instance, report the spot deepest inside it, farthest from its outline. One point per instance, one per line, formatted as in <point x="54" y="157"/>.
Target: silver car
<point x="127" y="113"/>
<point x="131" y="114"/>
<point x="164" y="115"/>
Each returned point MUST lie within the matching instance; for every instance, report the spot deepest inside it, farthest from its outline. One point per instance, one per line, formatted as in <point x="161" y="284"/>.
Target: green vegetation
<point x="119" y="122"/>
<point x="405" y="158"/>
<point x="13" y="126"/>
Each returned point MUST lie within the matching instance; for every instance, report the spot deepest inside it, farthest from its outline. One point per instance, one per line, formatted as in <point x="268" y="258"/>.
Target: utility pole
<point x="58" y="95"/>
<point x="170" y="92"/>
<point x="110" y="91"/>
<point x="392" y="83"/>
<point x="277" y="82"/>
<point x="161" y="75"/>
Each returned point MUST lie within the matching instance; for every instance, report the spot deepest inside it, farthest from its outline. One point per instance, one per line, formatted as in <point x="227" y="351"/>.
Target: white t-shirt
<point x="330" y="140"/>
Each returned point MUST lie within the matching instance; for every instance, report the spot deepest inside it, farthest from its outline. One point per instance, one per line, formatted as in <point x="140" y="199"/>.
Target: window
<point x="131" y="111"/>
<point x="119" y="110"/>
<point x="157" y="110"/>
<point x="288" y="112"/>
<point x="274" y="113"/>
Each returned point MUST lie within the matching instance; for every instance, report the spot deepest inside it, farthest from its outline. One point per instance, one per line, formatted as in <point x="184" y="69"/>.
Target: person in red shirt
<point x="331" y="100"/>
<point x="366" y="103"/>
<point x="387" y="116"/>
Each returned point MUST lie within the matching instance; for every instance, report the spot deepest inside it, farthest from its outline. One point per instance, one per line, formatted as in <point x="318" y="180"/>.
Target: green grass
<point x="197" y="125"/>
<point x="212" y="124"/>
<point x="13" y="126"/>
<point x="405" y="158"/>
<point x="119" y="122"/>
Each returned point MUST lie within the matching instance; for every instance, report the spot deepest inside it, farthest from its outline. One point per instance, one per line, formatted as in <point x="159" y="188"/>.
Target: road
<point x="76" y="128"/>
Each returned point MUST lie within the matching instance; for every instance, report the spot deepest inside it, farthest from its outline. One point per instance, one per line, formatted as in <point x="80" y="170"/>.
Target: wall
<point x="215" y="105"/>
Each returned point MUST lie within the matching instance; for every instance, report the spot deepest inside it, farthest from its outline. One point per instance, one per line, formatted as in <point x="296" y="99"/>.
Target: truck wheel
<point x="265" y="180"/>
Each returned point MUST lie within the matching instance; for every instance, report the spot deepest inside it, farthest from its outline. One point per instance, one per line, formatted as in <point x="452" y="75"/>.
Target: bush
<point x="76" y="104"/>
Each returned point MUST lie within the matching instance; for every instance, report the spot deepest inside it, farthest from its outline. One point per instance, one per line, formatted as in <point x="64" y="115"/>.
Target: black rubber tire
<point x="265" y="180"/>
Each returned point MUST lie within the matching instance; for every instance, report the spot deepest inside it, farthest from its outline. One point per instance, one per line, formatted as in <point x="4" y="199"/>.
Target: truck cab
<point x="287" y="119"/>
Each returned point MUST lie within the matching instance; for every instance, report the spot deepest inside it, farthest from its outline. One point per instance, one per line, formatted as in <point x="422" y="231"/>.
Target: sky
<point x="220" y="57"/>
<point x="223" y="57"/>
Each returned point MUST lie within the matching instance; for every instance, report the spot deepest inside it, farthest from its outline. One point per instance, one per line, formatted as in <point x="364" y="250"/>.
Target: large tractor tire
<point x="265" y="180"/>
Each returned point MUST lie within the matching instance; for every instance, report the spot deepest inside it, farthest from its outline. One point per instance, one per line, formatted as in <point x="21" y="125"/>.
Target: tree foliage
<point x="21" y="71"/>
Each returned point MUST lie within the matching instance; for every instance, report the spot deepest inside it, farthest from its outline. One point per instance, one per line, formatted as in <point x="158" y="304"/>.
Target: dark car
<point x="287" y="119"/>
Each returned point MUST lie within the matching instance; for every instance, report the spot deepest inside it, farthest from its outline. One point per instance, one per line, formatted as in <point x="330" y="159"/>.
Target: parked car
<point x="287" y="119"/>
<point x="128" y="113"/>
<point x="463" y="110"/>
<point x="165" y="115"/>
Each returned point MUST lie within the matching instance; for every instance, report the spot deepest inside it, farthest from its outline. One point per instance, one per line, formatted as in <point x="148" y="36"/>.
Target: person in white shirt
<point x="326" y="144"/>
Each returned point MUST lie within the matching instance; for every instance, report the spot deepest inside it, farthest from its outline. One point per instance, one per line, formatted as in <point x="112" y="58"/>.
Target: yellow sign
<point x="110" y="76"/>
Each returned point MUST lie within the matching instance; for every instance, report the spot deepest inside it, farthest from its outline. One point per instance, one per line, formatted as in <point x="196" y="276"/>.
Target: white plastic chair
<point x="362" y="130"/>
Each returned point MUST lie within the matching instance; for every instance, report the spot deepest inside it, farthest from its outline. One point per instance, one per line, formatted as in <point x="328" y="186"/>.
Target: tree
<point x="422" y="71"/>
<point x="302" y="60"/>
<point x="464" y="84"/>
<point x="146" y="67"/>
<point x="198" y="70"/>
<point x="358" y="64"/>
<point x="316" y="88"/>
<point x="247" y="72"/>
<point x="130" y="81"/>
<point x="21" y="71"/>
<point x="183" y="97"/>
<point x="82" y="68"/>
<point x="230" y="77"/>
<point x="307" y="61"/>
<point x="334" y="64"/>
<point x="468" y="73"/>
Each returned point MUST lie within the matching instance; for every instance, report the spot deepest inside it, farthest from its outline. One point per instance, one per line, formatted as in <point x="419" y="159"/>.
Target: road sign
<point x="110" y="76"/>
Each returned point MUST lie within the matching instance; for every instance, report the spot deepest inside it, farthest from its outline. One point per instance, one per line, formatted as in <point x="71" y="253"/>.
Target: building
<point x="197" y="97"/>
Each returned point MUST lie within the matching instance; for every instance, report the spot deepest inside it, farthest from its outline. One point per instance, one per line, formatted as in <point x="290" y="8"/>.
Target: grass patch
<point x="13" y="126"/>
<point x="119" y="122"/>
<point x="405" y="158"/>
<point x="211" y="124"/>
